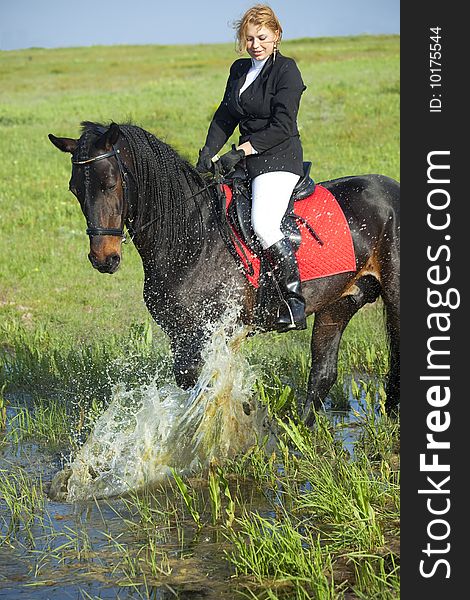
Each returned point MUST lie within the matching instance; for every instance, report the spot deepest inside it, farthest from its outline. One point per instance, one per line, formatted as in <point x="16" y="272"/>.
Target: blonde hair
<point x="260" y="15"/>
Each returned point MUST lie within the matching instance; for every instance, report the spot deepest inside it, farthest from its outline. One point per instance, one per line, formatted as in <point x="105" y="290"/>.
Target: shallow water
<point x="143" y="435"/>
<point x="75" y="549"/>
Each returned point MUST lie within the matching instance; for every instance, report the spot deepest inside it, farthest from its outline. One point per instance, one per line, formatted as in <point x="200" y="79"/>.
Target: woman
<point x="262" y="97"/>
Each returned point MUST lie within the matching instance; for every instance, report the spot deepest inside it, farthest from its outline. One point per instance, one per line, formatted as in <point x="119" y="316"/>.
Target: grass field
<point x="348" y="121"/>
<point x="329" y="525"/>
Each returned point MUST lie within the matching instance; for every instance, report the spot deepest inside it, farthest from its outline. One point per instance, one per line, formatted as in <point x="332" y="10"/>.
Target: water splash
<point x="147" y="431"/>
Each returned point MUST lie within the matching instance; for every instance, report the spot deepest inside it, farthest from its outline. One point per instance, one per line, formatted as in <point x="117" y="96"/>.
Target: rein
<point x="204" y="189"/>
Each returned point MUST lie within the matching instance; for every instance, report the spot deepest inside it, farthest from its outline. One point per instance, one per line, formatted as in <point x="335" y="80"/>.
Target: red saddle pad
<point x="324" y="215"/>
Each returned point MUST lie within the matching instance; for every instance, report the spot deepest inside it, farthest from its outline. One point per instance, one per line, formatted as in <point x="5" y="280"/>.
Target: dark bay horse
<point x="123" y="176"/>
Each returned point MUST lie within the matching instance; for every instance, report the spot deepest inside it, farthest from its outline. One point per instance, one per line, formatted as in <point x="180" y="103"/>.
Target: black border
<point x="421" y="133"/>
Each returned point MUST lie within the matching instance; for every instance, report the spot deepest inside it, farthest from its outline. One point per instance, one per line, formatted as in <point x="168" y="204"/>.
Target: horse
<point x="124" y="176"/>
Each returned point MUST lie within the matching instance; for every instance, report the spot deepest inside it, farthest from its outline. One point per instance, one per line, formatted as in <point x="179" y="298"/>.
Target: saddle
<point x="239" y="211"/>
<point x="314" y="222"/>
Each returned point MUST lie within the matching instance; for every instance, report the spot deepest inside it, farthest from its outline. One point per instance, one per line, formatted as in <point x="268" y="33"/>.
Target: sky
<point x="65" y="23"/>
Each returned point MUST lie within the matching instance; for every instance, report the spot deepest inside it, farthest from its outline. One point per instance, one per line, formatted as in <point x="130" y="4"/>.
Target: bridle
<point x="125" y="185"/>
<point x="118" y="232"/>
<point x="223" y="225"/>
<point x="227" y="235"/>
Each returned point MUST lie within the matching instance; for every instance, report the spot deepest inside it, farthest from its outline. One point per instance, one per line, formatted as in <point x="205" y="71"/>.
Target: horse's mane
<point x="163" y="180"/>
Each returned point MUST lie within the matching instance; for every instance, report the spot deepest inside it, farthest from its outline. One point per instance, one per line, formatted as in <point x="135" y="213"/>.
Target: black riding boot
<point x="291" y="312"/>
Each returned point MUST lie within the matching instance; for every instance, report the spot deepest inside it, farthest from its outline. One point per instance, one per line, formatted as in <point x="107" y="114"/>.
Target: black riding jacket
<point x="266" y="113"/>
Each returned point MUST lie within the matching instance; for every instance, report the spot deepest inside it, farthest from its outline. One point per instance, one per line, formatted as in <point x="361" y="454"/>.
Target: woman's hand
<point x="229" y="160"/>
<point x="247" y="148"/>
<point x="204" y="162"/>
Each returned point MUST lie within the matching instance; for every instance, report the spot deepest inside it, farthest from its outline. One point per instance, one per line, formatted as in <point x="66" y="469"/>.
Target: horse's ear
<point x="64" y="144"/>
<point x="109" y="137"/>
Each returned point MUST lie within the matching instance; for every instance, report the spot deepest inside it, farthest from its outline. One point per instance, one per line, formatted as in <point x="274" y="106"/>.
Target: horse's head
<point x="99" y="181"/>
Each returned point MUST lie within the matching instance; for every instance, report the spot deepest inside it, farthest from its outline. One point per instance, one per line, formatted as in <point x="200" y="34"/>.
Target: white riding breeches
<point x="271" y="193"/>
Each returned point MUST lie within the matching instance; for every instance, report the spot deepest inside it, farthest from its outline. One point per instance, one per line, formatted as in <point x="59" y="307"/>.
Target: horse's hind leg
<point x="393" y="381"/>
<point x="391" y="299"/>
<point x="330" y="323"/>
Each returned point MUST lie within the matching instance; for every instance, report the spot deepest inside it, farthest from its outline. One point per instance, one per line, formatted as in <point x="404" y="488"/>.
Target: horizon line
<point x="93" y="45"/>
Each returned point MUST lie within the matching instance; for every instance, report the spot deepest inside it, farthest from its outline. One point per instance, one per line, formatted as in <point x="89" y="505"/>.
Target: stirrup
<point x="284" y="326"/>
<point x="293" y="326"/>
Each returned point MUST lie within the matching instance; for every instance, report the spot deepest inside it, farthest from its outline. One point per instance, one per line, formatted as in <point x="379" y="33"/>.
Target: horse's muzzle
<point x="109" y="265"/>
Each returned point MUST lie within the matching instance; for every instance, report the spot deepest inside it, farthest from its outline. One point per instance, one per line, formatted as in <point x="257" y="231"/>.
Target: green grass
<point x="305" y="521"/>
<point x="332" y="527"/>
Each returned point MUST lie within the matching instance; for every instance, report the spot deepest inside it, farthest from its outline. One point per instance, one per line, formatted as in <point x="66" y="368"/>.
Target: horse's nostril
<point x="107" y="265"/>
<point x="113" y="260"/>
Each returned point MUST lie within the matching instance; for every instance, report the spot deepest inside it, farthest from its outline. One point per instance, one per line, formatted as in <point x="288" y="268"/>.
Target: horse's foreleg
<point x="186" y="335"/>
<point x="330" y="323"/>
<point x="187" y="358"/>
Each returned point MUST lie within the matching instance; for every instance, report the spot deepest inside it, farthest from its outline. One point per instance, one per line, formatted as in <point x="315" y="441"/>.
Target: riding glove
<point x="204" y="163"/>
<point x="229" y="160"/>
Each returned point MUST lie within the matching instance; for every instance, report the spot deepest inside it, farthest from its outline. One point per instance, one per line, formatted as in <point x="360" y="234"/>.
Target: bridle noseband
<point x="92" y="231"/>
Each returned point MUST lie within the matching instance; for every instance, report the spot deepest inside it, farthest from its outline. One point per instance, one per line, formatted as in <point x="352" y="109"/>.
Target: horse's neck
<point x="202" y="237"/>
<point x="187" y="286"/>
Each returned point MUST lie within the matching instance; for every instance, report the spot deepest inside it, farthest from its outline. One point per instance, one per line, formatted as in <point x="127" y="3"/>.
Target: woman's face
<point x="260" y="41"/>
